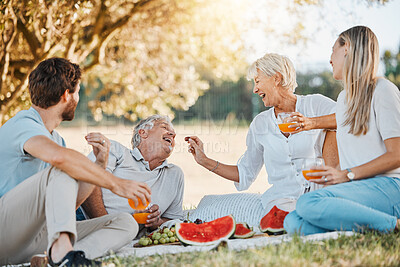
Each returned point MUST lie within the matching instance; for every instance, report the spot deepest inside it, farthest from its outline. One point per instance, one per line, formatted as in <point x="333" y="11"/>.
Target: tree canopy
<point x="139" y="56"/>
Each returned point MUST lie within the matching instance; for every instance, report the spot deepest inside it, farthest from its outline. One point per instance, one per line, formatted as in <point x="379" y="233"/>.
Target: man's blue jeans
<point x="372" y="203"/>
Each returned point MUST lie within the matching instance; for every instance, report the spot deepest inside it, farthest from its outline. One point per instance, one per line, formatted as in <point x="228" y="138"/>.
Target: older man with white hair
<point x="152" y="143"/>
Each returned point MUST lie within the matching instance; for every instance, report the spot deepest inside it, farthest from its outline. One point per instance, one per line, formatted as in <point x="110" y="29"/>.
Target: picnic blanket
<point x="244" y="207"/>
<point x="232" y="244"/>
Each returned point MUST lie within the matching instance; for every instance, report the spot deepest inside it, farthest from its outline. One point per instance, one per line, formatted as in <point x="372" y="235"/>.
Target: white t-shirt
<point x="384" y="123"/>
<point x="282" y="156"/>
<point x="166" y="181"/>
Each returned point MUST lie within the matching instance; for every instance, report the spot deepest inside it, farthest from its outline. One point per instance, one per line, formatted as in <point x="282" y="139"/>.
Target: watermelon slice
<point x="243" y="231"/>
<point x="272" y="222"/>
<point x="208" y="233"/>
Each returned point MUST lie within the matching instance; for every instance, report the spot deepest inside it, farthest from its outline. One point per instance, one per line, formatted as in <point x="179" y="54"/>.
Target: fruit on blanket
<point x="140" y="206"/>
<point x="243" y="231"/>
<point x="160" y="236"/>
<point x="207" y="233"/>
<point x="272" y="222"/>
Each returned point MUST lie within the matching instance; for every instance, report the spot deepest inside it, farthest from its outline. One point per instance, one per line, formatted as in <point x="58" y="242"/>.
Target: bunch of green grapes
<point x="161" y="236"/>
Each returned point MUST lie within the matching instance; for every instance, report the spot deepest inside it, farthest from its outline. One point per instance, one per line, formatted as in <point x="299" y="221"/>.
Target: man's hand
<point x="154" y="220"/>
<point x="101" y="147"/>
<point x="133" y="190"/>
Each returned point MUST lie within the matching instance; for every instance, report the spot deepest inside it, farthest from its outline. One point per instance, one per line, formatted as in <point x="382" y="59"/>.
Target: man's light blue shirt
<point x="15" y="164"/>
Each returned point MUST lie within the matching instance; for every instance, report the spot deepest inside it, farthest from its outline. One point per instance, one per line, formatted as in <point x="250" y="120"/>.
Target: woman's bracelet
<point x="215" y="167"/>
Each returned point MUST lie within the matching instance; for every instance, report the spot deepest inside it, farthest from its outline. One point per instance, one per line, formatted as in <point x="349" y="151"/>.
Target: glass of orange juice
<point x="283" y="122"/>
<point x="311" y="165"/>
<point x="141" y="217"/>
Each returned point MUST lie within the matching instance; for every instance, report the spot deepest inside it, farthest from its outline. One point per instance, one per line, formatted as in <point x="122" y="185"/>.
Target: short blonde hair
<point x="272" y="63"/>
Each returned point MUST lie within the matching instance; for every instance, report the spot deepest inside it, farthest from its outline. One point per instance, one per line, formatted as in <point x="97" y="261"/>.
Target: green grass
<point x="370" y="249"/>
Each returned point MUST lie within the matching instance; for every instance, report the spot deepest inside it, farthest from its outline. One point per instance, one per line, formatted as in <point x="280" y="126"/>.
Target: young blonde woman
<point x="365" y="192"/>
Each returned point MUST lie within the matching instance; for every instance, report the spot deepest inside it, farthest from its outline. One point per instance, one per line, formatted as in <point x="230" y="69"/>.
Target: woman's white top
<point x="282" y="156"/>
<point x="384" y="123"/>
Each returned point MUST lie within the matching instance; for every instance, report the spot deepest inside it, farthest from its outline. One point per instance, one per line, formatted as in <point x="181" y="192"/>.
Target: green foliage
<point x="235" y="100"/>
<point x="318" y="83"/>
<point x="225" y="100"/>
<point x="147" y="53"/>
<point x="143" y="56"/>
<point x="392" y="66"/>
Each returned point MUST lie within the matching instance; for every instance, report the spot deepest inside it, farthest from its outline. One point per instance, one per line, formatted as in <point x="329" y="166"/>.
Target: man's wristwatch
<point x="350" y="175"/>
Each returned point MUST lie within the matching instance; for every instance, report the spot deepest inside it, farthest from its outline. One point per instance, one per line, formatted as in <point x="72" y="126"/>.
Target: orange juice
<point x="140" y="206"/>
<point x="311" y="177"/>
<point x="141" y="217"/>
<point x="284" y="127"/>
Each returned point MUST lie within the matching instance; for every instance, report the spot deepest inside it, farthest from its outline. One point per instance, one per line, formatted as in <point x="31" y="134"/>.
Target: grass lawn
<point x="370" y="249"/>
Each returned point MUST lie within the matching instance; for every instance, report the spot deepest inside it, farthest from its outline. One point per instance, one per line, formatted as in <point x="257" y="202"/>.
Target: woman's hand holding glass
<point x="300" y="122"/>
<point x="294" y="122"/>
<point x="285" y="122"/>
<point x="312" y="166"/>
<point x="325" y="175"/>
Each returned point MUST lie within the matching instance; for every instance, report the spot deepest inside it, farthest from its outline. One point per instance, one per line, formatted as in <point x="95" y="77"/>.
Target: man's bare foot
<point x="397" y="228"/>
<point x="60" y="247"/>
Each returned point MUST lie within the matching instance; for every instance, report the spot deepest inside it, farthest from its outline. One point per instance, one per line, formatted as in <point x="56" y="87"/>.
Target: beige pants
<point x="35" y="212"/>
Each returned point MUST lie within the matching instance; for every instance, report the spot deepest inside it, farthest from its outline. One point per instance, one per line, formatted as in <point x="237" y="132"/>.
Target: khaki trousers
<point x="35" y="212"/>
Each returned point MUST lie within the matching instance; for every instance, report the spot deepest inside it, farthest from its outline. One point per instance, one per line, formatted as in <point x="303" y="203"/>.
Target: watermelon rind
<point x="243" y="236"/>
<point x="272" y="231"/>
<point x="179" y="227"/>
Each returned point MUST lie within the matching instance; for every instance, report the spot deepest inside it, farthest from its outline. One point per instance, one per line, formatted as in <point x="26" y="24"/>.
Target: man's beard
<point x="69" y="112"/>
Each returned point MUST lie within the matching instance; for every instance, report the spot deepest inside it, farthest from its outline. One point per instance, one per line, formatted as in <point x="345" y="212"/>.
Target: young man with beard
<point x="42" y="182"/>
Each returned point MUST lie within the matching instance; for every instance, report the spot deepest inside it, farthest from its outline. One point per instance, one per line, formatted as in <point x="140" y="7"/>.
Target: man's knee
<point x="125" y="222"/>
<point x="58" y="176"/>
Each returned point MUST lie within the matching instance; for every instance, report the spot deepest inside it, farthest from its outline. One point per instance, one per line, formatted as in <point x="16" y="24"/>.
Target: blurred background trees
<point x="391" y="61"/>
<point x="142" y="57"/>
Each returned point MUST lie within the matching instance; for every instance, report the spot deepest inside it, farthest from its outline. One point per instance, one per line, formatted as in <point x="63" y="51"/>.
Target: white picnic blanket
<point x="244" y="207"/>
<point x="233" y="244"/>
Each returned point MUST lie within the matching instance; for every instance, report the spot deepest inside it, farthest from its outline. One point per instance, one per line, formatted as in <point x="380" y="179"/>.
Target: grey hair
<point x="147" y="123"/>
<point x="272" y="63"/>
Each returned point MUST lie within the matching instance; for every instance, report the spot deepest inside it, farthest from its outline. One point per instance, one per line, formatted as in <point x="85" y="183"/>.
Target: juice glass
<point x="141" y="217"/>
<point x="283" y="122"/>
<point x="311" y="165"/>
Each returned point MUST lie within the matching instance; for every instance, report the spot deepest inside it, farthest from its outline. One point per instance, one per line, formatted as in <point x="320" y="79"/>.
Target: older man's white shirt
<point x="165" y="181"/>
<point x="282" y="156"/>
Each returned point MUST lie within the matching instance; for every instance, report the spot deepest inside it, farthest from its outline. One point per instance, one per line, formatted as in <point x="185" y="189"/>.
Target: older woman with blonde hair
<point x="281" y="153"/>
<point x="365" y="192"/>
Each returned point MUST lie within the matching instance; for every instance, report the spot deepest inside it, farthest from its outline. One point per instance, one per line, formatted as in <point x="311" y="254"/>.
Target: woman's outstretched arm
<point x="196" y="148"/>
<point x="305" y="123"/>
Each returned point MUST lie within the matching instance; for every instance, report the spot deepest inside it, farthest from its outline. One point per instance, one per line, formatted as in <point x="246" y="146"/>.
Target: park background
<point x="182" y="58"/>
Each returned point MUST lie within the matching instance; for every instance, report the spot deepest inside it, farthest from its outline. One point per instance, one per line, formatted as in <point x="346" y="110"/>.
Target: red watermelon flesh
<point x="243" y="231"/>
<point x="207" y="233"/>
<point x="272" y="222"/>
